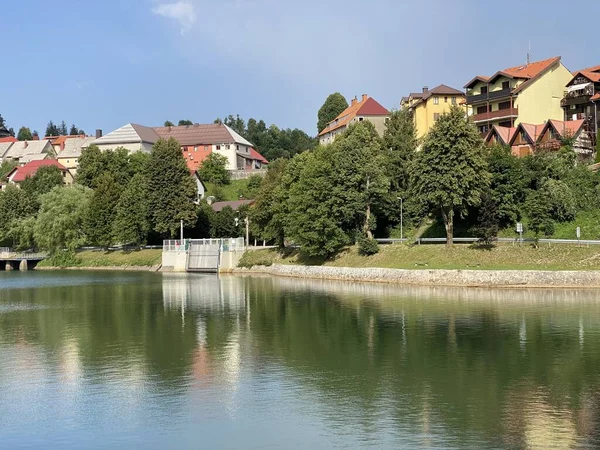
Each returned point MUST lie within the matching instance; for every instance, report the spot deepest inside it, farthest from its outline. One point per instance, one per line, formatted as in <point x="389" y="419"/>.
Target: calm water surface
<point x="107" y="360"/>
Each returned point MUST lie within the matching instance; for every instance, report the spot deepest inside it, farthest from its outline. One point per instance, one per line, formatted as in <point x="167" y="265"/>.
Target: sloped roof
<point x="19" y="174"/>
<point x="505" y="134"/>
<point x="589" y="74"/>
<point x="60" y="140"/>
<point x="525" y="71"/>
<point x="199" y="134"/>
<point x="22" y="148"/>
<point x="564" y="128"/>
<point x="33" y="157"/>
<point x="129" y="134"/>
<point x="255" y="155"/>
<point x="73" y="146"/>
<point x="218" y="206"/>
<point x="589" y="69"/>
<point x="4" y="146"/>
<point x="531" y="130"/>
<point x="367" y="107"/>
<point x="442" y="89"/>
<point x="8" y="139"/>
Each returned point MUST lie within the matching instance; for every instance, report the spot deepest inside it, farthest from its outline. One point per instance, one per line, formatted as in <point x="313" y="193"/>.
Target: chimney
<point x="364" y="98"/>
<point x="353" y="101"/>
<point x="425" y="89"/>
<point x="98" y="134"/>
<point x="26" y="144"/>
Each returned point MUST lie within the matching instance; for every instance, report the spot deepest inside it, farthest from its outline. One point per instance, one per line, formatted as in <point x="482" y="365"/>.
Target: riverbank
<point x="437" y="277"/>
<point x="139" y="260"/>
<point x="458" y="257"/>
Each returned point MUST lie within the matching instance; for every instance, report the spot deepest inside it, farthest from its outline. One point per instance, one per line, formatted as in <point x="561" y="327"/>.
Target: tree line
<point x="26" y="134"/>
<point x="350" y="191"/>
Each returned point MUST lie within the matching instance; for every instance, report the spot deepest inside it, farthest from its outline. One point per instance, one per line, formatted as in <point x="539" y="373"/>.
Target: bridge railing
<point x="23" y="255"/>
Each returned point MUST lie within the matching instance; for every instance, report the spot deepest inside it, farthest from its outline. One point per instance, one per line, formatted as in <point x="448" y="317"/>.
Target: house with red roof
<point x="20" y="174"/>
<point x="528" y="139"/>
<point x="197" y="142"/>
<point x="581" y="99"/>
<point x="365" y="109"/>
<point x="529" y="93"/>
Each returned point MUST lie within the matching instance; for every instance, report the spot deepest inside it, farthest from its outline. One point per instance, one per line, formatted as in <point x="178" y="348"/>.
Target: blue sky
<point x="102" y="64"/>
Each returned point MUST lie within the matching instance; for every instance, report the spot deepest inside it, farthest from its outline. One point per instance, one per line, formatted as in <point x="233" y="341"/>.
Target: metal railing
<point x="228" y="244"/>
<point x="463" y="240"/>
<point x="22" y="256"/>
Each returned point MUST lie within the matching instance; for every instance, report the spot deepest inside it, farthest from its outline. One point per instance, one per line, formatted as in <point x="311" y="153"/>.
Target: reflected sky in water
<point x="145" y="360"/>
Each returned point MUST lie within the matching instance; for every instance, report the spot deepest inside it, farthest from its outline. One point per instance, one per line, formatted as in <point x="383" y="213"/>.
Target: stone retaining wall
<point x="474" y="278"/>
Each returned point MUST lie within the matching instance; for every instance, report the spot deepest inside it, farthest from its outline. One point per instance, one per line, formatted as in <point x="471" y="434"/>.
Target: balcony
<point x="579" y="100"/>
<point x="578" y="96"/>
<point x="496" y="115"/>
<point x="480" y="98"/>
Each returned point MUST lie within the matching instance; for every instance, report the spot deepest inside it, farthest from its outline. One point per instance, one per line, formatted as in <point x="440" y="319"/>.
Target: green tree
<point x="101" y="211"/>
<point x="487" y="227"/>
<point x="74" y="131"/>
<point x="6" y="167"/>
<point x="236" y="123"/>
<point x="62" y="129"/>
<point x="508" y="186"/>
<point x="11" y="132"/>
<point x="335" y="191"/>
<point x="24" y="134"/>
<point x="94" y="162"/>
<point x="60" y="221"/>
<point x="225" y="224"/>
<point x="45" y="179"/>
<point x="185" y="122"/>
<point x="2" y="121"/>
<point x="267" y="218"/>
<point x="538" y="210"/>
<point x="16" y="205"/>
<point x="168" y="123"/>
<point x="450" y="173"/>
<point x="171" y="189"/>
<point x="131" y="224"/>
<point x="333" y="106"/>
<point x="214" y="170"/>
<point x="52" y="129"/>
<point x="400" y="143"/>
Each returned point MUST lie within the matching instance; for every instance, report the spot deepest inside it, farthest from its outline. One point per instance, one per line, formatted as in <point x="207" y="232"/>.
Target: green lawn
<point x="402" y="256"/>
<point x="146" y="258"/>
<point x="232" y="191"/>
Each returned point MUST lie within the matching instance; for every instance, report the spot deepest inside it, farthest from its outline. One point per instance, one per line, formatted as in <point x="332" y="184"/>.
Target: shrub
<point x="368" y="247"/>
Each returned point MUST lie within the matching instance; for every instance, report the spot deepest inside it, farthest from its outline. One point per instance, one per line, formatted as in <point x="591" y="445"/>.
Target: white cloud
<point x="182" y="12"/>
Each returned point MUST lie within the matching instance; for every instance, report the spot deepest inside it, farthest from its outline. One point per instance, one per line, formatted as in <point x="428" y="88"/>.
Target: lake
<point x="177" y="361"/>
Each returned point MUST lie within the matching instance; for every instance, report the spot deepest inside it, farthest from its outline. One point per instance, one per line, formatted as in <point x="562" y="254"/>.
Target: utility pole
<point x="401" y="218"/>
<point x="182" y="231"/>
<point x="247" y="231"/>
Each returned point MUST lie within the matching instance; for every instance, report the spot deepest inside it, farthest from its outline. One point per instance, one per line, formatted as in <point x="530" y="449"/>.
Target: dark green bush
<point x="368" y="247"/>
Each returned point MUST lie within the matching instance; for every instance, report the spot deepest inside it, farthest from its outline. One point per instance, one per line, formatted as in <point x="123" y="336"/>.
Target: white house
<point x="135" y="138"/>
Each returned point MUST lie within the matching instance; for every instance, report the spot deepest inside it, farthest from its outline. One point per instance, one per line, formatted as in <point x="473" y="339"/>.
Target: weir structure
<point x="202" y="255"/>
<point x="23" y="261"/>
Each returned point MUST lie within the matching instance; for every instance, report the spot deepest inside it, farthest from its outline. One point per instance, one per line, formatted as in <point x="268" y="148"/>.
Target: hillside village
<point x="531" y="109"/>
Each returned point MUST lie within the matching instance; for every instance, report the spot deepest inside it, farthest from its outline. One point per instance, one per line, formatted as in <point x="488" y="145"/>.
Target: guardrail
<point x="22" y="256"/>
<point x="464" y="240"/>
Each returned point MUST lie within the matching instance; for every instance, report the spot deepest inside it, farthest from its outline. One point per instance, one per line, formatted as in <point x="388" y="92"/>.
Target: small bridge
<point x="11" y="260"/>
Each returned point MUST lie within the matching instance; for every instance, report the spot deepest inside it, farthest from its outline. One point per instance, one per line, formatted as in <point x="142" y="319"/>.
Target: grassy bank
<point x="501" y="257"/>
<point x="142" y="258"/>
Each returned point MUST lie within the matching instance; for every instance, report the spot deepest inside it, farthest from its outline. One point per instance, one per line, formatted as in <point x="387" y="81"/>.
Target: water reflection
<point x="169" y="358"/>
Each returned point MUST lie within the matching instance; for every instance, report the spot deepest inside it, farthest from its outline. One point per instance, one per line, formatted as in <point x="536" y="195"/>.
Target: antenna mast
<point x="529" y="54"/>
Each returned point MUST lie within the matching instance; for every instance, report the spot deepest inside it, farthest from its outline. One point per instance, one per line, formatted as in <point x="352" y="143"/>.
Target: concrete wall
<point x="486" y="278"/>
<point x="174" y="260"/>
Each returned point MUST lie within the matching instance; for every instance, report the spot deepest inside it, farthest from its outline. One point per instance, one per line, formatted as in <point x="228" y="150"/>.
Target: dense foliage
<point x="335" y="104"/>
<point x="214" y="170"/>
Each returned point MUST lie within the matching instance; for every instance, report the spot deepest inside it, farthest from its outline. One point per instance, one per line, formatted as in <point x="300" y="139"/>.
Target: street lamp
<point x="401" y="218"/>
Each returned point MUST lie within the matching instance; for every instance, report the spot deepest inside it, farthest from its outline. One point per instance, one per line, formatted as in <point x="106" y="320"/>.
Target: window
<point x="483" y="129"/>
<point x="237" y="147"/>
<point x="195" y="149"/>
<point x="445" y="99"/>
<point x="436" y="117"/>
<point x="505" y="84"/>
<point x="436" y="100"/>
<point x="360" y="119"/>
<point x="218" y="147"/>
<point x="484" y="89"/>
<point x="481" y="109"/>
<point x="454" y="100"/>
<point x="504" y="105"/>
<point x="227" y="147"/>
<point x="206" y="148"/>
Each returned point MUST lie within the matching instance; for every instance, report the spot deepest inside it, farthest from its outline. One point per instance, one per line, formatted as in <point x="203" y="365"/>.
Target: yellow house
<point x="427" y="106"/>
<point x="530" y="93"/>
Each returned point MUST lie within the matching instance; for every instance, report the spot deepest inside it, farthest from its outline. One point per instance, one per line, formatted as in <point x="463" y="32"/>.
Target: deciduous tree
<point x="214" y="170"/>
<point x="24" y="134"/>
<point x="333" y="106"/>
<point x="171" y="189"/>
<point x="59" y="223"/>
<point x="450" y="173"/>
<point x="132" y="223"/>
<point x="101" y="211"/>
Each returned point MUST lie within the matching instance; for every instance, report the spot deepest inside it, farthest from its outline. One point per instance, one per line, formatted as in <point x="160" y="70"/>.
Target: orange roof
<point x="589" y="69"/>
<point x="60" y="140"/>
<point x="589" y="74"/>
<point x="366" y="106"/>
<point x="525" y="71"/>
<point x="30" y="169"/>
<point x="8" y="139"/>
